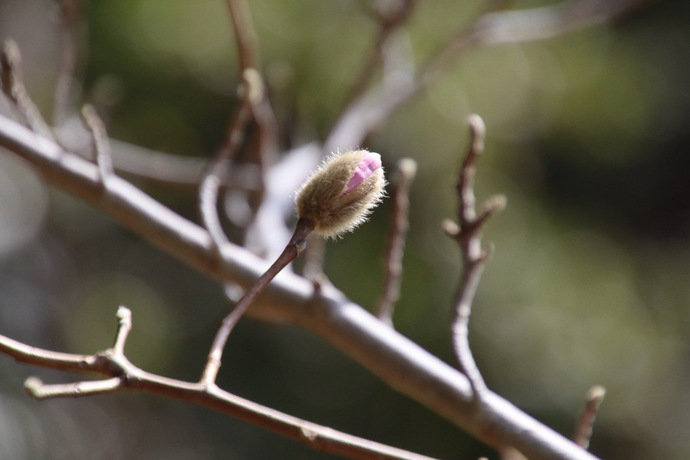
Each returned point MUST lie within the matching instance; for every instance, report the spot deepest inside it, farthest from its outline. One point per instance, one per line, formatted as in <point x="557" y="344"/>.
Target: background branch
<point x="585" y="423"/>
<point x="127" y="376"/>
<point x="395" y="359"/>
<point x="367" y="112"/>
<point x="402" y="181"/>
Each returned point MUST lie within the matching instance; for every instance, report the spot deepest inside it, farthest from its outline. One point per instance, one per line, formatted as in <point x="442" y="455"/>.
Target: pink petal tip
<point x="366" y="167"/>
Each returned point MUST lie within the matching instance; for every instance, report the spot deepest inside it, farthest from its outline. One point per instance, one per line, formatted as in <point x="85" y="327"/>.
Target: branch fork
<point x="468" y="235"/>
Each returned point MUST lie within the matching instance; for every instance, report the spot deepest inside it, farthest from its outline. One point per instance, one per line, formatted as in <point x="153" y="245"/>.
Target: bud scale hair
<point x="341" y="193"/>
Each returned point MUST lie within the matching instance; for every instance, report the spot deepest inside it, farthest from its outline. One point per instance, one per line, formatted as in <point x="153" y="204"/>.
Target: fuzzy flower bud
<point x="340" y="194"/>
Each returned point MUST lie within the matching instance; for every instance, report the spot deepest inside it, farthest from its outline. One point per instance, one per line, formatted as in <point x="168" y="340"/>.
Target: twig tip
<point x="450" y="227"/>
<point x="496" y="203"/>
<point x="124" y="313"/>
<point x="407" y="167"/>
<point x="476" y="124"/>
<point x="596" y="393"/>
<point x="32" y="386"/>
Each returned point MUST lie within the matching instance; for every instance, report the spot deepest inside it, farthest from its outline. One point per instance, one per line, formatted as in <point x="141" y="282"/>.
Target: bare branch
<point x="294" y="247"/>
<point x="467" y="234"/>
<point x="124" y="316"/>
<point x="216" y="170"/>
<point x="39" y="390"/>
<point x="406" y="170"/>
<point x="374" y="107"/>
<point x="261" y="110"/>
<point x="585" y="424"/>
<point x="402" y="364"/>
<point x="245" y="36"/>
<point x="99" y="140"/>
<point x="124" y="375"/>
<point x="14" y="89"/>
<point x="71" y="36"/>
<point x="390" y="17"/>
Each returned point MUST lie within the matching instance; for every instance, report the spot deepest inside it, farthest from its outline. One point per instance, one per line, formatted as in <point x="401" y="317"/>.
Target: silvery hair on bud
<point x="323" y="200"/>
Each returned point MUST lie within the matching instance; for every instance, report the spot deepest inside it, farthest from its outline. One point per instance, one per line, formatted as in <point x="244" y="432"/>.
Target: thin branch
<point x="374" y="107"/>
<point x="261" y="110"/>
<point x="390" y="18"/>
<point x="124" y="375"/>
<point x="124" y="325"/>
<point x="294" y="247"/>
<point x="585" y="423"/>
<point x="71" y="37"/>
<point x="216" y="170"/>
<point x="395" y="359"/>
<point x="406" y="170"/>
<point x="467" y="234"/>
<point x="14" y="89"/>
<point x="39" y="390"/>
<point x="245" y="36"/>
<point x="99" y="141"/>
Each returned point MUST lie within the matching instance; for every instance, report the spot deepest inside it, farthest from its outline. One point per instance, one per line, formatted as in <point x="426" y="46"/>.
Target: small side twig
<point x="467" y="234"/>
<point x="374" y="106"/>
<point x="124" y="316"/>
<point x="123" y="375"/>
<point x="39" y="390"/>
<point x="294" y="247"/>
<point x="391" y="16"/>
<point x="216" y="170"/>
<point x="266" y="133"/>
<point x="585" y="423"/>
<point x="99" y="140"/>
<point x="71" y="38"/>
<point x="402" y="181"/>
<point x="14" y="88"/>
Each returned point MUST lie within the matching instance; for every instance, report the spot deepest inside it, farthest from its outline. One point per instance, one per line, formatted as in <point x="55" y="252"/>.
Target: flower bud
<point x="340" y="194"/>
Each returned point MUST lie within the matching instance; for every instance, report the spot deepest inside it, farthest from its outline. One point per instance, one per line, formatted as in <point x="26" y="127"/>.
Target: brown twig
<point x="125" y="376"/>
<point x="367" y="112"/>
<point x="261" y="110"/>
<point x="71" y="38"/>
<point x="294" y="247"/>
<point x="217" y="168"/>
<point x="585" y="423"/>
<point x="406" y="170"/>
<point x="467" y="234"/>
<point x="390" y="17"/>
<point x="99" y="141"/>
<point x="14" y="89"/>
<point x="245" y="36"/>
<point x="395" y="359"/>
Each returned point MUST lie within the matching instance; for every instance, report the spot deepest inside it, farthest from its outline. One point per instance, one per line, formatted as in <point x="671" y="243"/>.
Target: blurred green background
<point x="589" y="284"/>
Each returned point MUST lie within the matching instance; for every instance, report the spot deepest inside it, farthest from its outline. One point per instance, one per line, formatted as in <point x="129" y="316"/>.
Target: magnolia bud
<point x="340" y="194"/>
